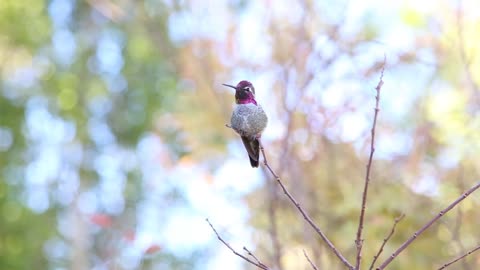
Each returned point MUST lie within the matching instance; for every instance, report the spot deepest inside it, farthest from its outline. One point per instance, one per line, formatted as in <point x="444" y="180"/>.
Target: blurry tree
<point x="105" y="104"/>
<point x="81" y="85"/>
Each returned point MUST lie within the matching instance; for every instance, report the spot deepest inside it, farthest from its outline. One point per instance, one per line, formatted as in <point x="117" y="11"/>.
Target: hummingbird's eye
<point x="247" y="88"/>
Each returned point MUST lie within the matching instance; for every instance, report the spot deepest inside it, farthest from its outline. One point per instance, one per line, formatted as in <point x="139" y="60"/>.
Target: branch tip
<point x="385" y="240"/>
<point x="309" y="261"/>
<point x="359" y="240"/>
<point x="257" y="263"/>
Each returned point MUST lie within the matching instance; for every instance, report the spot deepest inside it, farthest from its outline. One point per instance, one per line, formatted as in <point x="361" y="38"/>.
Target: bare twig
<point x="253" y="256"/>
<point x="304" y="214"/>
<point x="375" y="258"/>
<point x="257" y="263"/>
<point x="458" y="222"/>
<point x="310" y="261"/>
<point x="426" y="226"/>
<point x="359" y="240"/>
<point x="459" y="258"/>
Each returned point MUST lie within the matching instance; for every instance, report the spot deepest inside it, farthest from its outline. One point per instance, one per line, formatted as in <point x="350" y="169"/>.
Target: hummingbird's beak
<point x="228" y="85"/>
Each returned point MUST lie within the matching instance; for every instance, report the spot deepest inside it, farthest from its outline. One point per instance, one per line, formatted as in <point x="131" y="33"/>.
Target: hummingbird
<point x="248" y="119"/>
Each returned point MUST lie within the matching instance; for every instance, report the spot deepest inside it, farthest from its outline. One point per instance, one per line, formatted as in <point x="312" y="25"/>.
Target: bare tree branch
<point x="359" y="240"/>
<point x="257" y="263"/>
<point x="375" y="258"/>
<point x="458" y="222"/>
<point x="304" y="214"/>
<point x="310" y="261"/>
<point x="426" y="226"/>
<point x="459" y="258"/>
<point x="253" y="256"/>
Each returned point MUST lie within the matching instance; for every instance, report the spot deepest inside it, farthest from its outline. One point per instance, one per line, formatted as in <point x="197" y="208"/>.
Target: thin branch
<point x="458" y="222"/>
<point x="257" y="263"/>
<point x="426" y="226"/>
<point x="359" y="240"/>
<point x="253" y="256"/>
<point x="304" y="214"/>
<point x="310" y="261"/>
<point x="459" y="258"/>
<point x="375" y="258"/>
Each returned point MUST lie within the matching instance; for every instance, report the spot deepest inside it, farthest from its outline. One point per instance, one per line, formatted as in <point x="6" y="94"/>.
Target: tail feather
<point x="253" y="150"/>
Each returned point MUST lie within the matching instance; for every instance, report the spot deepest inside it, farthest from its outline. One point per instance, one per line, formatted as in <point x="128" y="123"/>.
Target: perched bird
<point x="248" y="119"/>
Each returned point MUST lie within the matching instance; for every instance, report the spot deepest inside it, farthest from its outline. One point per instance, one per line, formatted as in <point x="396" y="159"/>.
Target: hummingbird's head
<point x="244" y="92"/>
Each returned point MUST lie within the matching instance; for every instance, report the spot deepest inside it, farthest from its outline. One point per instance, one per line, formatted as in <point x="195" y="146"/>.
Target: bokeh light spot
<point x="67" y="99"/>
<point x="6" y="139"/>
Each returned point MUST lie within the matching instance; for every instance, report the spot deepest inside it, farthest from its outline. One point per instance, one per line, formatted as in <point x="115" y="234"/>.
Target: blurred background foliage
<point x="113" y="148"/>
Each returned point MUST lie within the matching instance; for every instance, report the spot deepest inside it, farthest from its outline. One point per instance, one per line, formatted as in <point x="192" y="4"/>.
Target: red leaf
<point x="152" y="249"/>
<point x="129" y="236"/>
<point x="101" y="220"/>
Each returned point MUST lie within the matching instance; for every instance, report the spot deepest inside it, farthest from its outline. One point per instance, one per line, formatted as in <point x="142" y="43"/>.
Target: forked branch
<point x="427" y="225"/>
<point x="257" y="262"/>
<point x="359" y="240"/>
<point x="375" y="258"/>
